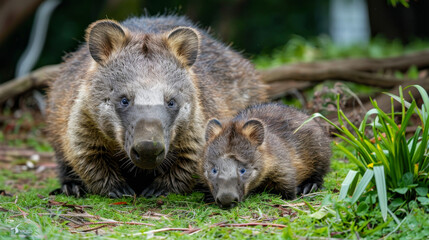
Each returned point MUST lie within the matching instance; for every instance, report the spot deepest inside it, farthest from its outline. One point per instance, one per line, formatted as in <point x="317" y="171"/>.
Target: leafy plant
<point x="387" y="159"/>
<point x="403" y="2"/>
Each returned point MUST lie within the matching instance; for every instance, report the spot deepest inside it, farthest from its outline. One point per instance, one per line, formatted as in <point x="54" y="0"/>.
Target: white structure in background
<point x="35" y="45"/>
<point x="349" y="21"/>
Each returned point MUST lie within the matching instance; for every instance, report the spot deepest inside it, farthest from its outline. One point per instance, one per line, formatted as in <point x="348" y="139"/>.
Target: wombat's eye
<point x="172" y="103"/>
<point x="125" y="102"/>
<point x="214" y="170"/>
<point x="242" y="171"/>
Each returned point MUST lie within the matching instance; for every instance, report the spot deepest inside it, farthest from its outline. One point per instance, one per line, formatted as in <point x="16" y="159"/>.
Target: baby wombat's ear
<point x="214" y="127"/>
<point x="254" y="131"/>
<point x="104" y="37"/>
<point x="184" y="42"/>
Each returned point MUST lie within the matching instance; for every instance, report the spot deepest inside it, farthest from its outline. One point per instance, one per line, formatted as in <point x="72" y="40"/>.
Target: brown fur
<point x="173" y="77"/>
<point x="258" y="149"/>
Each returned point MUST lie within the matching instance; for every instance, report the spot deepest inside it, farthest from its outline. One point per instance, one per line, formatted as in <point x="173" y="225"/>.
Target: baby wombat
<point x="259" y="150"/>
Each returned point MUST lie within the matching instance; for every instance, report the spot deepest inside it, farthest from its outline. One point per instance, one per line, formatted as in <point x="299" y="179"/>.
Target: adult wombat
<point x="258" y="150"/>
<point x="127" y="112"/>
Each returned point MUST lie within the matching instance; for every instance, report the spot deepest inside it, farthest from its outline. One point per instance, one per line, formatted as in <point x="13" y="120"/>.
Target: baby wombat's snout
<point x="227" y="194"/>
<point x="227" y="200"/>
<point x="148" y="148"/>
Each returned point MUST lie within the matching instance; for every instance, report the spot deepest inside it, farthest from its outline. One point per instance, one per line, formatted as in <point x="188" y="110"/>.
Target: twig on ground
<point x="166" y="230"/>
<point x="116" y="223"/>
<point x="71" y="220"/>
<point x="154" y="215"/>
<point x="70" y="215"/>
<point x="19" y="215"/>
<point x="24" y="214"/>
<point x="94" y="228"/>
<point x="2" y="209"/>
<point x="192" y="230"/>
<point x="252" y="224"/>
<point x="66" y="218"/>
<point x="9" y="154"/>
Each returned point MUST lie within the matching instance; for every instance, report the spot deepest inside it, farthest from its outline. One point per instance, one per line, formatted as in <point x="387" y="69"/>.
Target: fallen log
<point x="318" y="75"/>
<point x="10" y="154"/>
<point x="334" y="69"/>
<point x="279" y="79"/>
<point x="36" y="79"/>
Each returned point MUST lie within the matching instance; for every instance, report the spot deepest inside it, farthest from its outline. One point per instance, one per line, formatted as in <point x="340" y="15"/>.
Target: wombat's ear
<point x="184" y="42"/>
<point x="104" y="37"/>
<point x="254" y="130"/>
<point x="214" y="127"/>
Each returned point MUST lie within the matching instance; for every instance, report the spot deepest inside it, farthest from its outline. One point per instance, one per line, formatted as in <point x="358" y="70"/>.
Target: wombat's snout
<point x="148" y="148"/>
<point x="227" y="200"/>
<point x="147" y="152"/>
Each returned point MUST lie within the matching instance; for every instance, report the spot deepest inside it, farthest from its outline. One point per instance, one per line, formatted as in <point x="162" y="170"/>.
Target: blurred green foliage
<point x="252" y="26"/>
<point x="299" y="49"/>
<point x="403" y="2"/>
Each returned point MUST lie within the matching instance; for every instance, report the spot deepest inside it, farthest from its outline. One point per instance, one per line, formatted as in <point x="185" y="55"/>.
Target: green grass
<point x="310" y="216"/>
<point x="180" y="211"/>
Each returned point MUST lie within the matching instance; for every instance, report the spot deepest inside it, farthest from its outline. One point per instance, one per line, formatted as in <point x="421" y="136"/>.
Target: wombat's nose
<point x="227" y="200"/>
<point x="147" y="154"/>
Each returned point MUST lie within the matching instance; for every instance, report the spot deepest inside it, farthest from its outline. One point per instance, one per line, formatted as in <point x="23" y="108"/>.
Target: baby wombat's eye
<point x="125" y="102"/>
<point x="214" y="171"/>
<point x="242" y="171"/>
<point x="171" y="103"/>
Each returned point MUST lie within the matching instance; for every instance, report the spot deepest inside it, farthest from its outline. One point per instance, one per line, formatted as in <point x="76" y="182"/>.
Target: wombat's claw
<point x="153" y="192"/>
<point x="309" y="187"/>
<point x="208" y="198"/>
<point x="123" y="191"/>
<point x="73" y="189"/>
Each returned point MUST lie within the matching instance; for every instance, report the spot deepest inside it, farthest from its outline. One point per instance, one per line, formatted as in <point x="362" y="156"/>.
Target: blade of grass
<point x="362" y="185"/>
<point x="315" y="115"/>
<point x="348" y="181"/>
<point x="423" y="94"/>
<point x="381" y="190"/>
<point x="352" y="158"/>
<point x="365" y="119"/>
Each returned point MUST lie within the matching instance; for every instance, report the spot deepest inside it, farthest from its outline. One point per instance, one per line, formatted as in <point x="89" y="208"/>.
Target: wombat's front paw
<point x="72" y="188"/>
<point x="121" y="191"/>
<point x="307" y="188"/>
<point x="154" y="190"/>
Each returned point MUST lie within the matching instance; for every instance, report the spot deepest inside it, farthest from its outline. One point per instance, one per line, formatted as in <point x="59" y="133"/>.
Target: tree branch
<point x="280" y="80"/>
<point x="36" y="79"/>
<point x="334" y="69"/>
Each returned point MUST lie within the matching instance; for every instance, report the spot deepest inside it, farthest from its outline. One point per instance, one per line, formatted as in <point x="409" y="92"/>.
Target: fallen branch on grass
<point x="9" y="154"/>
<point x="251" y="224"/>
<point x="118" y="223"/>
<point x="82" y="215"/>
<point x="191" y="230"/>
<point x="35" y="79"/>
<point x="94" y="228"/>
<point x="86" y="215"/>
<point x="167" y="230"/>
<point x="279" y="79"/>
<point x="24" y="214"/>
<point x="332" y="68"/>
